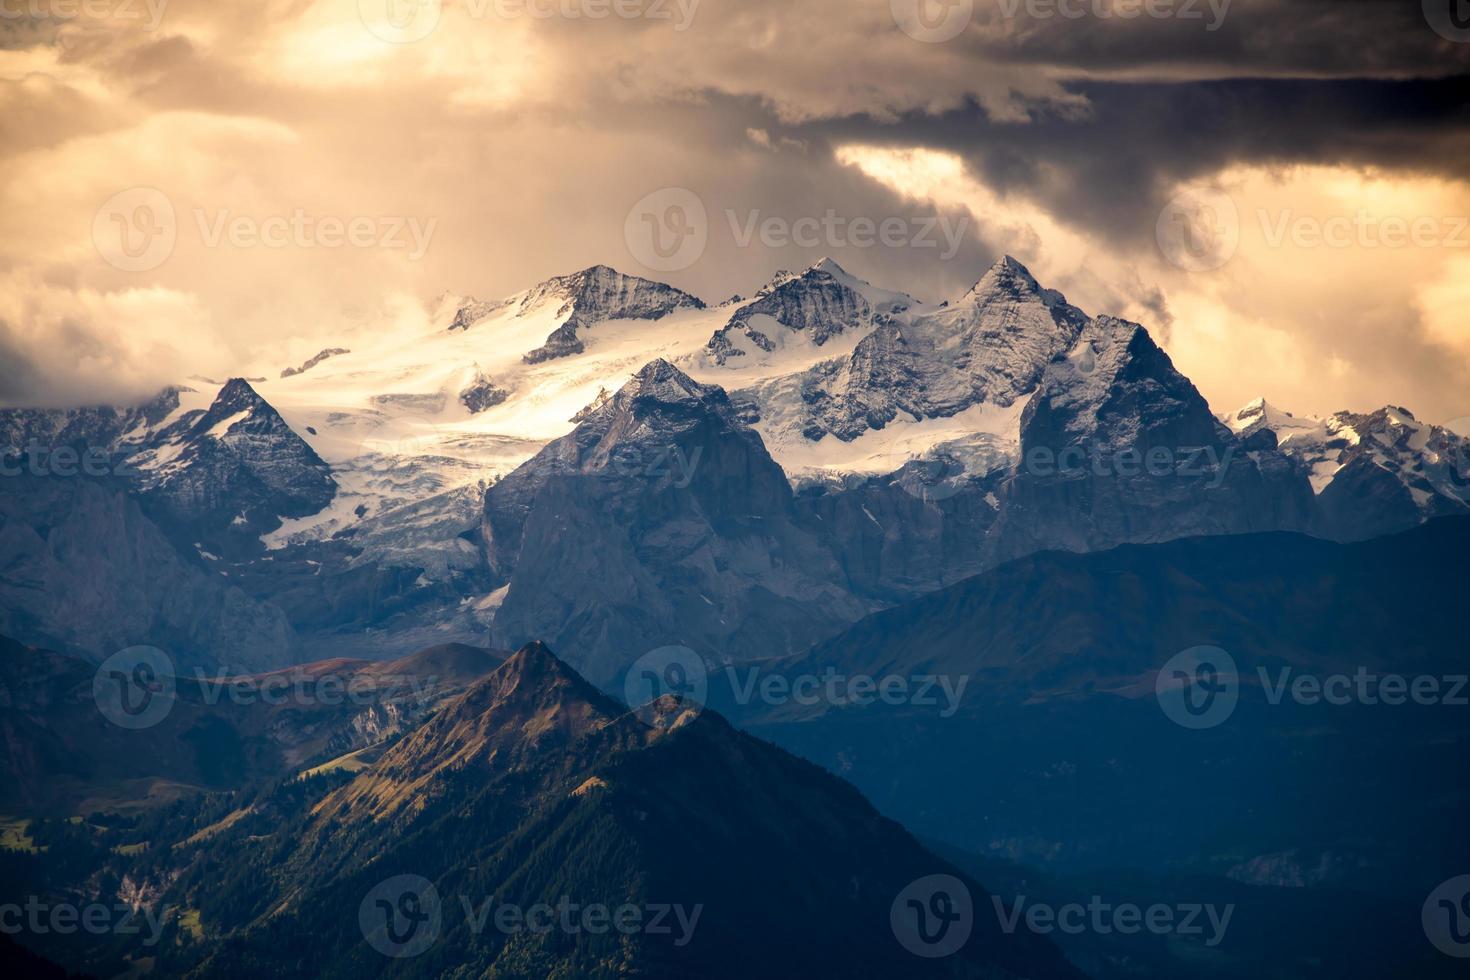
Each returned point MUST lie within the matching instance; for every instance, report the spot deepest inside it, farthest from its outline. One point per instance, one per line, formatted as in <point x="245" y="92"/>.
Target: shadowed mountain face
<point x="1118" y="446"/>
<point x="660" y="518"/>
<point x="892" y="490"/>
<point x="85" y="569"/>
<point x="1060" y="752"/>
<point x="235" y="467"/>
<point x="873" y="448"/>
<point x="532" y="790"/>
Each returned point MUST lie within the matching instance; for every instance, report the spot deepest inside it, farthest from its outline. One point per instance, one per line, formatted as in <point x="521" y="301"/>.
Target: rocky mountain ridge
<point x="895" y="446"/>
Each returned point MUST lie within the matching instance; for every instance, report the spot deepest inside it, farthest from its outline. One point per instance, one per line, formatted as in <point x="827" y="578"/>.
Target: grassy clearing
<point x="189" y="922"/>
<point x="351" y="762"/>
<point x="13" y="834"/>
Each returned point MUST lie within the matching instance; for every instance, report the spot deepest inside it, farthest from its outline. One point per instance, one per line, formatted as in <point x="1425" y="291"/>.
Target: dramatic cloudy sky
<point x="1277" y="188"/>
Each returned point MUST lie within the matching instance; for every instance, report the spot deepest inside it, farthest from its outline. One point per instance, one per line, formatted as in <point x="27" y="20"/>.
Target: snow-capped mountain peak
<point x="593" y="295"/>
<point x="385" y="454"/>
<point x="1260" y="414"/>
<point x="1005" y="273"/>
<point x="660" y="382"/>
<point x="602" y="292"/>
<point x="1008" y="281"/>
<point x="808" y="308"/>
<point x="234" y="465"/>
<point x="577" y="301"/>
<point x="1386" y="455"/>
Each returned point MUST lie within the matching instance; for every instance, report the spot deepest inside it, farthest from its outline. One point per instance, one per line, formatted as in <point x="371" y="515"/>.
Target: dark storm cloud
<point x="1111" y="170"/>
<point x="529" y="141"/>
<point x="1218" y="38"/>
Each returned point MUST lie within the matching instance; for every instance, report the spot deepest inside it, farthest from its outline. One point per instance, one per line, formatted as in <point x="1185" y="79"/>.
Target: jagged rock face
<point x="640" y="419"/>
<point x="215" y="480"/>
<point x="482" y="393"/>
<point x="582" y="300"/>
<point x="531" y="705"/>
<point x="893" y="544"/>
<point x="83" y="428"/>
<point x="235" y="465"/>
<point x="1374" y="473"/>
<point x="86" y="570"/>
<point x="816" y="303"/>
<point x="596" y="294"/>
<point x="1101" y="386"/>
<point x="659" y="519"/>
<point x="314" y="360"/>
<point x="1097" y="387"/>
<point x="991" y="346"/>
<point x="473" y="312"/>
<point x="603" y="397"/>
<point x="1117" y="446"/>
<point x="211" y="482"/>
<point x="1393" y="472"/>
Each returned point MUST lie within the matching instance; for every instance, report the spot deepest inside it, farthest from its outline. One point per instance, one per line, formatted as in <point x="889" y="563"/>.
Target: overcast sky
<point x="1276" y="188"/>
